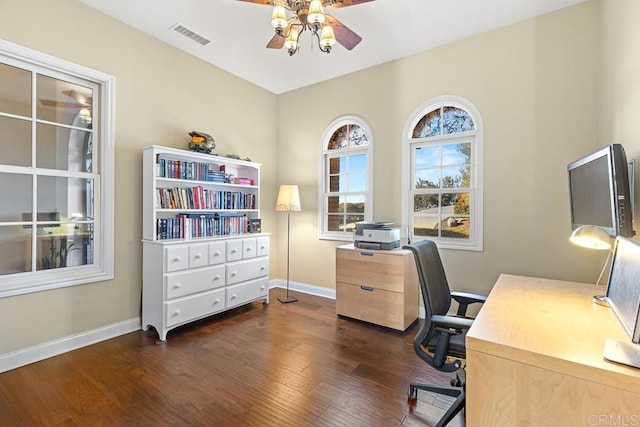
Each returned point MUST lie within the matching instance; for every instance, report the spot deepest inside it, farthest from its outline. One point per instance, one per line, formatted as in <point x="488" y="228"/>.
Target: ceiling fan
<point x="79" y="101"/>
<point x="309" y="14"/>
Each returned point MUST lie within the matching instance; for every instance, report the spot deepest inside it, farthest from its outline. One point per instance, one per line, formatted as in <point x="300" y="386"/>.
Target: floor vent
<point x="179" y="28"/>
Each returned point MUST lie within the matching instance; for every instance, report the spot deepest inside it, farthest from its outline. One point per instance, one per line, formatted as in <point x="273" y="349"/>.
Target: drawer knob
<point x="198" y="256"/>
<point x="248" y="249"/>
<point x="262" y="268"/>
<point x="233" y="251"/>
<point x="177" y="286"/>
<point x="216" y="277"/>
<point x="366" y="288"/>
<point x="234" y="274"/>
<point x="176" y="313"/>
<point x="216" y="254"/>
<point x="233" y="296"/>
<point x="217" y="301"/>
<point x="176" y="259"/>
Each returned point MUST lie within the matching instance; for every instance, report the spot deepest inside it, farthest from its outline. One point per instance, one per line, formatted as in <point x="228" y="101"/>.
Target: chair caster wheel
<point x="456" y="382"/>
<point x="412" y="396"/>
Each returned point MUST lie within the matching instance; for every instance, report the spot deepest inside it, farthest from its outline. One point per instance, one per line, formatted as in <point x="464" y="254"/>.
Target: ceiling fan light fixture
<point x="279" y="18"/>
<point x="291" y="43"/>
<point x="316" y="13"/>
<point x="328" y="38"/>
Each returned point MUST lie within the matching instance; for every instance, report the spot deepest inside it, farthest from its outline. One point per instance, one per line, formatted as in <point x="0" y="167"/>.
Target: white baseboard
<point x="43" y="351"/>
<point x="304" y="288"/>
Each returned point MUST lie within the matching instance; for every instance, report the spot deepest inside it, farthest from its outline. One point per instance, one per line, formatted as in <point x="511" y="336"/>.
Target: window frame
<point x="103" y="265"/>
<point x="323" y="175"/>
<point x="475" y="241"/>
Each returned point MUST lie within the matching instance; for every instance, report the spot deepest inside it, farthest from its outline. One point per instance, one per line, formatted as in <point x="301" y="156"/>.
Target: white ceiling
<point x="390" y="29"/>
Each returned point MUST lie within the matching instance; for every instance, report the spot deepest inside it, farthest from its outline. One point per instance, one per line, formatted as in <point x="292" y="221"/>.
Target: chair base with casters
<point x="440" y="342"/>
<point x="454" y="409"/>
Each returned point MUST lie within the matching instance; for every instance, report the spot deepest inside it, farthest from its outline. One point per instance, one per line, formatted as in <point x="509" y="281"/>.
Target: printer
<point x="376" y="235"/>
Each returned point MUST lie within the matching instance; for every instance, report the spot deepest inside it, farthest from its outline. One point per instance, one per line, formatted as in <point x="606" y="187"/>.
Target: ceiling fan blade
<point x="344" y="3"/>
<point x="59" y="104"/>
<point x="344" y="35"/>
<point x="276" y="42"/>
<point x="80" y="98"/>
<point x="265" y="2"/>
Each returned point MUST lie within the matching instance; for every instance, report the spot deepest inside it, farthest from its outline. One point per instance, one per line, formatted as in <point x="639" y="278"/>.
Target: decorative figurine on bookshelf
<point x="201" y="142"/>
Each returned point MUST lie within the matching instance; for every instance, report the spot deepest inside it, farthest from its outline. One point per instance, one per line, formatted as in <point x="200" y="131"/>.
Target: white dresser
<point x="187" y="280"/>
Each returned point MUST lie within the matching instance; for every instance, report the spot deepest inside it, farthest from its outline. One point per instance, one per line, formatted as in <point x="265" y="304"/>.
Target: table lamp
<point x="288" y="201"/>
<point x="594" y="237"/>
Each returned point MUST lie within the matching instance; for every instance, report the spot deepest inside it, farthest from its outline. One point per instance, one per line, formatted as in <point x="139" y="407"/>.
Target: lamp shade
<point x="591" y="236"/>
<point x="288" y="199"/>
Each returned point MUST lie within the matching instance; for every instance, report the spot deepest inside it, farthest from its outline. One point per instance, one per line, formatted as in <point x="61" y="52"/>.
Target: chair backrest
<point x="436" y="296"/>
<point x="434" y="287"/>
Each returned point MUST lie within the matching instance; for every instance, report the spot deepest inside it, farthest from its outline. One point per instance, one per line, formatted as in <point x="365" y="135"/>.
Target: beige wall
<point x="620" y="82"/>
<point x="161" y="94"/>
<point x="536" y="86"/>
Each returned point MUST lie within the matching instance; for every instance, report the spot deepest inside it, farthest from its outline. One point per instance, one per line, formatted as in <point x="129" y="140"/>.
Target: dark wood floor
<point x="294" y="364"/>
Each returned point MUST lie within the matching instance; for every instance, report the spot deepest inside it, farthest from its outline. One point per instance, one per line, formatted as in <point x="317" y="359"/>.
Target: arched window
<point x="345" y="178"/>
<point x="442" y="158"/>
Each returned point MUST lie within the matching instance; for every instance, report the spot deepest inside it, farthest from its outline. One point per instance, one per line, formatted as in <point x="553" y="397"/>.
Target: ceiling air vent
<point x="179" y="28"/>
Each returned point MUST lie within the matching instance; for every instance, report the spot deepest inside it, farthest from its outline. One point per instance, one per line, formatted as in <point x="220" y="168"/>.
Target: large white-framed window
<point x="345" y="190"/>
<point x="56" y="172"/>
<point x="442" y="173"/>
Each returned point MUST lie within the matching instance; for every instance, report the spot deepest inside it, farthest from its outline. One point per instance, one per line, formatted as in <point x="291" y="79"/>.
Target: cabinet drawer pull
<point x="176" y="259"/>
<point x="217" y="301"/>
<point x="234" y="274"/>
<point x="366" y="253"/>
<point x="248" y="249"/>
<point x="176" y="313"/>
<point x="233" y="296"/>
<point x="177" y="286"/>
<point x="233" y="251"/>
<point x="216" y="277"/>
<point x="216" y="254"/>
<point x="198" y="256"/>
<point x="366" y="288"/>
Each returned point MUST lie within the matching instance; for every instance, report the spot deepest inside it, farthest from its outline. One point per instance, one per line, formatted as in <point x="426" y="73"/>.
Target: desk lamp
<point x="594" y="237"/>
<point x="288" y="201"/>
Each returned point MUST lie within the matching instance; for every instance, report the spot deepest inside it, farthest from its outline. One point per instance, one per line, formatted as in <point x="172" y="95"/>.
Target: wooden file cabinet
<point x="379" y="287"/>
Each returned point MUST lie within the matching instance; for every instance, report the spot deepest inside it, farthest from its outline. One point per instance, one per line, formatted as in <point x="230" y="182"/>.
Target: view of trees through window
<point x="442" y="174"/>
<point x="345" y="191"/>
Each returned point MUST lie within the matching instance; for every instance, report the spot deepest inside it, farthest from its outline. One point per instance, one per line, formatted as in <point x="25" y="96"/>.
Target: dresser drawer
<point x="176" y="258"/>
<point x="239" y="294"/>
<point x="376" y="269"/>
<point x="194" y="306"/>
<point x="234" y="250"/>
<point x="217" y="252"/>
<point x="198" y="255"/>
<point x="248" y="248"/>
<point x="262" y="246"/>
<point x="377" y="306"/>
<point x="189" y="282"/>
<point x="246" y="270"/>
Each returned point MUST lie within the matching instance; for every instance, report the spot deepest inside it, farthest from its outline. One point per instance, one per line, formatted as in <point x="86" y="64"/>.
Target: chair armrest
<point x="451" y="322"/>
<point x="464" y="299"/>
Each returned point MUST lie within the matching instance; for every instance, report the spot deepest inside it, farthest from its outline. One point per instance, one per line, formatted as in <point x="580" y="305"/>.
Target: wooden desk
<point x="534" y="358"/>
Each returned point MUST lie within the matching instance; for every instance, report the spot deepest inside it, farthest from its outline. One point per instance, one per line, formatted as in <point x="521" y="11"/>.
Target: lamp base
<point x="287" y="299"/>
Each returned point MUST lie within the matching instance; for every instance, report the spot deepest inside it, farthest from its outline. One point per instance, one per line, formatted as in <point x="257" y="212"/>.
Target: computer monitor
<point x="623" y="296"/>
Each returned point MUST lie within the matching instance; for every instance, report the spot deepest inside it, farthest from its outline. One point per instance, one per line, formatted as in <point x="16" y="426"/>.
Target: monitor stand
<point x="601" y="300"/>
<point x="623" y="352"/>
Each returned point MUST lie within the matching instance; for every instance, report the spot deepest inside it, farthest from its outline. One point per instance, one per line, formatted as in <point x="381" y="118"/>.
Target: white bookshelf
<point x="199" y="254"/>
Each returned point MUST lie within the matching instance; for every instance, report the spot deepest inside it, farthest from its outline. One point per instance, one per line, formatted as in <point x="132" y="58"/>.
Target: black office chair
<point x="440" y="340"/>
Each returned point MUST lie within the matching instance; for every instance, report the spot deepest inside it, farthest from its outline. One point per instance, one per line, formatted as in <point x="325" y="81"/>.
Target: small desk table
<point x="534" y="358"/>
